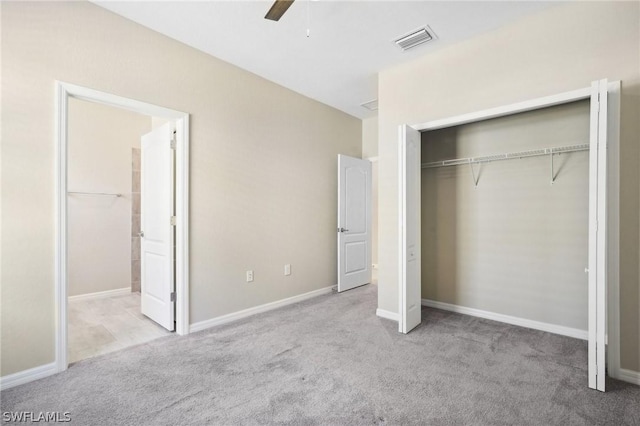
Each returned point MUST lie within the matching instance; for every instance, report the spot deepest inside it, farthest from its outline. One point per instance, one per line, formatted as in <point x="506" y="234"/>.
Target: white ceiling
<point x="349" y="43"/>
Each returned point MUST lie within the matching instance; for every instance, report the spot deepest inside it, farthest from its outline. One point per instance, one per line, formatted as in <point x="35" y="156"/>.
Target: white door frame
<point x="64" y="91"/>
<point x="611" y="206"/>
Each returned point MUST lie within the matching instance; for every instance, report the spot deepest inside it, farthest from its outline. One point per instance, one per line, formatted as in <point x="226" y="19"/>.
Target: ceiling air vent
<point x="415" y="38"/>
<point x="371" y="105"/>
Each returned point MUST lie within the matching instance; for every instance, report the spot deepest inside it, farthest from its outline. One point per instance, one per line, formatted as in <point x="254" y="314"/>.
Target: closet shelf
<point x="507" y="156"/>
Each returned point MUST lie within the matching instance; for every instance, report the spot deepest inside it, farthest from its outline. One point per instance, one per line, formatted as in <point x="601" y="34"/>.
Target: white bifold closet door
<point x="598" y="234"/>
<point x="410" y="241"/>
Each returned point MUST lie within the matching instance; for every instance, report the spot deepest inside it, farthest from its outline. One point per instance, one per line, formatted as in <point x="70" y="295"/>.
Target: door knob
<point x="342" y="230"/>
<point x="141" y="234"/>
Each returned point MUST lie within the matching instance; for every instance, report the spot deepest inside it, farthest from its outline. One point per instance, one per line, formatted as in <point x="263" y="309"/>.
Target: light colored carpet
<point x="330" y="360"/>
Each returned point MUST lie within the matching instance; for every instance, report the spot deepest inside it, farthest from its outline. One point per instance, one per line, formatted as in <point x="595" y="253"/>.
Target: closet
<point x="504" y="217"/>
<point x="513" y="211"/>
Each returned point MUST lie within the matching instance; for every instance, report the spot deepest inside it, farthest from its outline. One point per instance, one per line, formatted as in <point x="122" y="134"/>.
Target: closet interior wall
<point x="515" y="244"/>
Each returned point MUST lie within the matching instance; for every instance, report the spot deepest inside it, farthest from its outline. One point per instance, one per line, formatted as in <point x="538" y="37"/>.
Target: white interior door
<point x="354" y="222"/>
<point x="157" y="242"/>
<point x="598" y="235"/>
<point x="410" y="244"/>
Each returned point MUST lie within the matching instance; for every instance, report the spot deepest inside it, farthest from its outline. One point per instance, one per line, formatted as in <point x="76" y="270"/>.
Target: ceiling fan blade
<point x="278" y="9"/>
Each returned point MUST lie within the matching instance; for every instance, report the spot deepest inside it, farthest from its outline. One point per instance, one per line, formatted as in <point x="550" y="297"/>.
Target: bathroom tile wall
<point x="135" y="219"/>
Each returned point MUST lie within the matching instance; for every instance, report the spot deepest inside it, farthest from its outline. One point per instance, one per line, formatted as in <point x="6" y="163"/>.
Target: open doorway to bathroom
<point x="104" y="228"/>
<point x="163" y="217"/>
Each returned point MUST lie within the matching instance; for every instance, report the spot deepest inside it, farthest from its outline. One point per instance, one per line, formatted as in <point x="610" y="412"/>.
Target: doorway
<point x="354" y="222"/>
<point x="603" y="222"/>
<point x="178" y="221"/>
<point x="104" y="212"/>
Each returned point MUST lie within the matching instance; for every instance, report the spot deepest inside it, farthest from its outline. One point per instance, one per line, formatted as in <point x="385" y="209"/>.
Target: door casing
<point x="64" y="91"/>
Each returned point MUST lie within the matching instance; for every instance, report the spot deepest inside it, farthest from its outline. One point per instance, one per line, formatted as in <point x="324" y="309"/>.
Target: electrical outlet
<point x="287" y="269"/>
<point x="249" y="276"/>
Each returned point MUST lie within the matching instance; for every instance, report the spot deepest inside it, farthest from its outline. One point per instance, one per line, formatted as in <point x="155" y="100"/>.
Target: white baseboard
<point x="387" y="314"/>
<point x="235" y="316"/>
<point x="101" y="294"/>
<point x="26" y="376"/>
<point x="629" y="376"/>
<point x="522" y="322"/>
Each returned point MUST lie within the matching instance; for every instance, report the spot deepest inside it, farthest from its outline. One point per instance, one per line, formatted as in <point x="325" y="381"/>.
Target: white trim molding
<point x="182" y="223"/>
<point x="382" y="313"/>
<point x="64" y="91"/>
<point x="508" y="319"/>
<point x="613" y="231"/>
<point x="27" y="376"/>
<point x="101" y="294"/>
<point x="235" y="316"/>
<point x="501" y="111"/>
<point x="629" y="376"/>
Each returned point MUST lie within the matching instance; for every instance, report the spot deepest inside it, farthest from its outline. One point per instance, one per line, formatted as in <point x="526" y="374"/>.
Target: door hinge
<point x="173" y="221"/>
<point x="173" y="296"/>
<point x="173" y="140"/>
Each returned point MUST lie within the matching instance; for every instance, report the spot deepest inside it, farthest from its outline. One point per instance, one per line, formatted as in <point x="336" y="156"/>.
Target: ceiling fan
<point x="278" y="9"/>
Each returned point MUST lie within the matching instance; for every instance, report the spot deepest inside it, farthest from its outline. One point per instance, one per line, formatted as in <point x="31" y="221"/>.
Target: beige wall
<point x="369" y="150"/>
<point x="515" y="244"/>
<point x="370" y="137"/>
<point x="158" y="121"/>
<point x="560" y="49"/>
<point x="263" y="165"/>
<point x="374" y="212"/>
<point x="99" y="227"/>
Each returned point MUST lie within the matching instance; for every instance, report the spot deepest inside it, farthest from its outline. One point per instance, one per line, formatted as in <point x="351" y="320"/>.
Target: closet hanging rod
<point x="108" y="194"/>
<point x="507" y="156"/>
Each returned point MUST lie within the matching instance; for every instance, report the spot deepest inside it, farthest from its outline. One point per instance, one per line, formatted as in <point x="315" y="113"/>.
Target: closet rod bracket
<point x="473" y="173"/>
